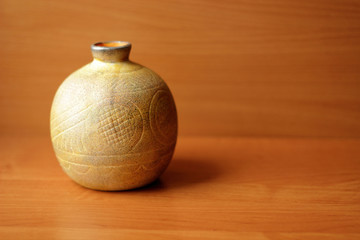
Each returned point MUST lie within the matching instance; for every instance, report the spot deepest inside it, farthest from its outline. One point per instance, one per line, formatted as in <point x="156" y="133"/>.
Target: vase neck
<point x="112" y="51"/>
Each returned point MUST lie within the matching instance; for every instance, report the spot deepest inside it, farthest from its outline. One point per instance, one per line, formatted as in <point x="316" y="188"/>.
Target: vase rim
<point x="111" y="51"/>
<point x="110" y="45"/>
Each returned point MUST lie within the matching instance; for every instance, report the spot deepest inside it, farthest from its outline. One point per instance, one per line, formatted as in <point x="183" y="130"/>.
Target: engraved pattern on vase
<point x="106" y="133"/>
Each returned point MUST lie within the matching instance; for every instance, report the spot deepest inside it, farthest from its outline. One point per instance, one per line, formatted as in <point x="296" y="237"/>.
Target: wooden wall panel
<point x="252" y="68"/>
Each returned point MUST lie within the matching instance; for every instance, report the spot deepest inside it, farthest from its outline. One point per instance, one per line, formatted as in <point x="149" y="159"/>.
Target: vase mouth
<point x="111" y="51"/>
<point x="110" y="44"/>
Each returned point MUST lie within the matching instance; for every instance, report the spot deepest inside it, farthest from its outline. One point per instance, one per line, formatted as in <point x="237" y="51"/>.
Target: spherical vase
<point x="113" y="122"/>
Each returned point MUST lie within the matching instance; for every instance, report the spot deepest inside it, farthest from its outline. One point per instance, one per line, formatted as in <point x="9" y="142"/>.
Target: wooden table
<point x="215" y="188"/>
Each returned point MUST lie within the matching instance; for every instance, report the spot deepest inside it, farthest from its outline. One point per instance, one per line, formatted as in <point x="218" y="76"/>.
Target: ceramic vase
<point x="113" y="122"/>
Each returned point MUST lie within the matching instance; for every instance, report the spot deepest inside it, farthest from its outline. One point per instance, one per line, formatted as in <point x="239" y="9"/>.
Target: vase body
<point x="113" y="122"/>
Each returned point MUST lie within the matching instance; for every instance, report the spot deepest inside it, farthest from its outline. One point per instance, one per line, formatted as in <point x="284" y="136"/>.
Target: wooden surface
<point x="236" y="68"/>
<point x="215" y="188"/>
<point x="249" y="78"/>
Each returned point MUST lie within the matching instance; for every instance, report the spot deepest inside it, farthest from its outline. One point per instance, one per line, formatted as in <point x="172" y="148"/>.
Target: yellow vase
<point x="113" y="122"/>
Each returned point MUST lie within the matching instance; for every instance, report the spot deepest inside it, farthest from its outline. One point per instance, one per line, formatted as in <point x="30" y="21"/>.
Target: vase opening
<point x="112" y="44"/>
<point x="111" y="51"/>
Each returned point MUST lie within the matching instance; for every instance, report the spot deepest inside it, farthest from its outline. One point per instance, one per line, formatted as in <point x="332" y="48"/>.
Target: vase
<point x="113" y="122"/>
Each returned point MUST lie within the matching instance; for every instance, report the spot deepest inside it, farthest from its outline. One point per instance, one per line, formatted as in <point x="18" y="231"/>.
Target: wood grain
<point x="215" y="188"/>
<point x="236" y="68"/>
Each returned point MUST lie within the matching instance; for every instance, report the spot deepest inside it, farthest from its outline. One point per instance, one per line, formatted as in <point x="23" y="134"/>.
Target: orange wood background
<point x="268" y="95"/>
<point x="236" y="68"/>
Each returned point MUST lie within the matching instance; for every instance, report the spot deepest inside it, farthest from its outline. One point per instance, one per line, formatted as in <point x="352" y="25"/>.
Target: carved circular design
<point x="120" y="126"/>
<point x="163" y="117"/>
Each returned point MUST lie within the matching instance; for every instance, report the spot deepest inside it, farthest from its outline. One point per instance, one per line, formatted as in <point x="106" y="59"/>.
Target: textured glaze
<point x="113" y="122"/>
